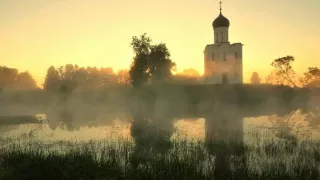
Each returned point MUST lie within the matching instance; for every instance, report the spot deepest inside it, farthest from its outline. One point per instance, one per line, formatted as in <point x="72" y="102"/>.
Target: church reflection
<point x="223" y="136"/>
<point x="224" y="123"/>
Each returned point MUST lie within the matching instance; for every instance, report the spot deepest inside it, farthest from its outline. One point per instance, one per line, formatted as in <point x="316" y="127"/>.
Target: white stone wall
<point x="221" y="34"/>
<point x="227" y="60"/>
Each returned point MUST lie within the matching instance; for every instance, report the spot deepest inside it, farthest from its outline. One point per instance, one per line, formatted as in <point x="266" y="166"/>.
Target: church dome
<point x="220" y="21"/>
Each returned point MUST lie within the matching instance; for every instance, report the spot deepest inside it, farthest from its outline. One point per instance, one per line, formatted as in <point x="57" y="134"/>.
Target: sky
<point x="35" y="34"/>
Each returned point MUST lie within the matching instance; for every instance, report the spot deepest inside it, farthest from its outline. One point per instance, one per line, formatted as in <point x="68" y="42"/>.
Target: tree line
<point x="11" y="78"/>
<point x="151" y="64"/>
<point x="70" y="77"/>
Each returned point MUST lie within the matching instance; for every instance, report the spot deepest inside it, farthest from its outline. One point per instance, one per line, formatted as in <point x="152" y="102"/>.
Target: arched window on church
<point x="221" y="36"/>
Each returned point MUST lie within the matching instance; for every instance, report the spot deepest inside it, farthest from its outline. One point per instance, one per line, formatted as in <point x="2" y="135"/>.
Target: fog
<point x="163" y="106"/>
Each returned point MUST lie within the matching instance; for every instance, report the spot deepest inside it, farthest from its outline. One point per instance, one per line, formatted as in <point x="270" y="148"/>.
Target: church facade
<point x="222" y="60"/>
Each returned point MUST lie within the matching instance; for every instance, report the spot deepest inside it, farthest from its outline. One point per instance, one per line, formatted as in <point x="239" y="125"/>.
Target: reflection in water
<point x="153" y="132"/>
<point x="151" y="135"/>
<point x="223" y="122"/>
<point x="224" y="127"/>
<point x="214" y="126"/>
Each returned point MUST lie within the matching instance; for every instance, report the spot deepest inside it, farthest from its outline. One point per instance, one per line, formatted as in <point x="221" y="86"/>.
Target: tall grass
<point x="184" y="159"/>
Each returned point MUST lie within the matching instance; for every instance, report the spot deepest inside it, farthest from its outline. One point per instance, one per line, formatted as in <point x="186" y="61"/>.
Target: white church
<point x="222" y="60"/>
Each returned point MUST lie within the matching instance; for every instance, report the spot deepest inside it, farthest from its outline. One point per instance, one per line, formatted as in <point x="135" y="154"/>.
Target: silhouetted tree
<point x="11" y="78"/>
<point x="149" y="61"/>
<point x="139" y="67"/>
<point x="52" y="79"/>
<point x="8" y="76"/>
<point x="283" y="73"/>
<point x="26" y="81"/>
<point x="160" y="63"/>
<point x="71" y="77"/>
<point x="311" y="77"/>
<point x="67" y="77"/>
<point x="255" y="78"/>
<point x="81" y="77"/>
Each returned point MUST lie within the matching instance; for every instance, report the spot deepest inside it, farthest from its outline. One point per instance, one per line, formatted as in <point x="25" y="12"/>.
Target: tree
<point x="52" y="79"/>
<point x="150" y="61"/>
<point x="311" y="77"/>
<point x="108" y="77"/>
<point x="283" y="72"/>
<point x="25" y="81"/>
<point x="139" y="67"/>
<point x="8" y="76"/>
<point x="11" y="78"/>
<point x="67" y="77"/>
<point x="81" y="77"/>
<point x="255" y="78"/>
<point x="123" y="77"/>
<point x="160" y="63"/>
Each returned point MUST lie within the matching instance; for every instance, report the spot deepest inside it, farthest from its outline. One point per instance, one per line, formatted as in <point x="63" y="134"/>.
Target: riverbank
<point x="181" y="160"/>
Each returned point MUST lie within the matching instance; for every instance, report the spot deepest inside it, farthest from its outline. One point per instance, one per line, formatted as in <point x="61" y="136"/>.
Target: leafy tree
<point x="160" y="63"/>
<point x="255" y="79"/>
<point x="70" y="77"/>
<point x="139" y="72"/>
<point x="8" y="76"/>
<point x="81" y="76"/>
<point x="52" y="79"/>
<point x="150" y="61"/>
<point x="67" y="77"/>
<point x="26" y="81"/>
<point x="311" y="77"/>
<point x="12" y="79"/>
<point x="283" y="72"/>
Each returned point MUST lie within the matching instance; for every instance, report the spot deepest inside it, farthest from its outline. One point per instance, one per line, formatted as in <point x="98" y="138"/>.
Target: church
<point x="222" y="60"/>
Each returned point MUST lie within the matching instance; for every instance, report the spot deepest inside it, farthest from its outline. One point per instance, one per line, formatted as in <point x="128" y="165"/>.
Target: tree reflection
<point x="72" y="119"/>
<point x="151" y="136"/>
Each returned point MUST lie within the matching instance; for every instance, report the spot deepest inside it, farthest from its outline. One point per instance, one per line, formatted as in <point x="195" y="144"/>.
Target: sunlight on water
<point x="191" y="129"/>
<point x="85" y="133"/>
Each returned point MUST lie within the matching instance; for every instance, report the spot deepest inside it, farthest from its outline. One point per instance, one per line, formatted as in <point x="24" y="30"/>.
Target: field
<point x="123" y="159"/>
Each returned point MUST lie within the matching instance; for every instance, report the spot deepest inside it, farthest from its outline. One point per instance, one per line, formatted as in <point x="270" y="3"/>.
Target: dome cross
<point x="220" y="6"/>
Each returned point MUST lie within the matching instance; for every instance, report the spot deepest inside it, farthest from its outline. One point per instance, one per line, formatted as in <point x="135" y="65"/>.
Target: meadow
<point x="26" y="158"/>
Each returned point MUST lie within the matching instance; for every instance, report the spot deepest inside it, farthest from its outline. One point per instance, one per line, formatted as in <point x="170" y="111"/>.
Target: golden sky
<point x="35" y="34"/>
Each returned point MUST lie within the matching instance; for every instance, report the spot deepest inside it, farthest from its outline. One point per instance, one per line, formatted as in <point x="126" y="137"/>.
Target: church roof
<point x="220" y="21"/>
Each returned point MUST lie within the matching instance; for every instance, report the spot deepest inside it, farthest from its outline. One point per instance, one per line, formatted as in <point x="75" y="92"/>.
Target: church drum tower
<point x="222" y="60"/>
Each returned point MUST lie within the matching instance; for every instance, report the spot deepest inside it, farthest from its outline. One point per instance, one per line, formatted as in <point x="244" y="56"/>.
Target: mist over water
<point x="214" y="131"/>
<point x="114" y="116"/>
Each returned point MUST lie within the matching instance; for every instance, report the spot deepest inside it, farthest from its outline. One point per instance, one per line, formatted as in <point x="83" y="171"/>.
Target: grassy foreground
<point x="184" y="160"/>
